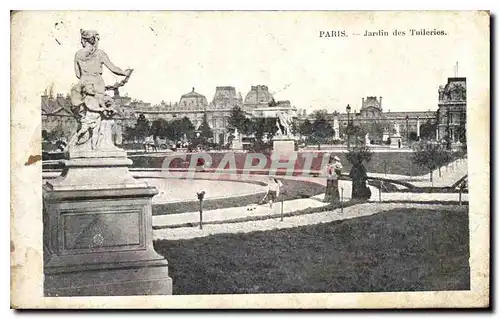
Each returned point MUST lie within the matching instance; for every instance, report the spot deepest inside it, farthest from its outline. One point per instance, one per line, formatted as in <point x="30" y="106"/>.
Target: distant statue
<point x="284" y="124"/>
<point x="236" y="134"/>
<point x="336" y="127"/>
<point x="396" y="129"/>
<point x="93" y="109"/>
<point x="367" y="139"/>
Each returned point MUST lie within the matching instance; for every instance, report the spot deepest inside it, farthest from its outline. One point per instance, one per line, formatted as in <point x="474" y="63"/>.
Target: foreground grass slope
<point x="397" y="250"/>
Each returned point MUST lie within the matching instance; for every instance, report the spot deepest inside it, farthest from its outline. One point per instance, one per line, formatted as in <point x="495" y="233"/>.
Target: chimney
<point x="45" y="100"/>
<point x="363" y="102"/>
<point x="380" y="103"/>
<point x="60" y="98"/>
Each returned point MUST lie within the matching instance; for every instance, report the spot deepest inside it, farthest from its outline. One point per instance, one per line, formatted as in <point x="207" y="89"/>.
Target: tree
<point x="159" y="127"/>
<point x="265" y="126"/>
<point x="413" y="136"/>
<point x="428" y="130"/>
<point x="186" y="127"/>
<point x="237" y="119"/>
<point x="129" y="133"/>
<point x="356" y="133"/>
<point x="359" y="154"/>
<point x="205" y="131"/>
<point x="306" y="128"/>
<point x="45" y="135"/>
<point x="321" y="129"/>
<point x="142" y="127"/>
<point x="249" y="127"/>
<point x="356" y="156"/>
<point x="376" y="130"/>
<point x="429" y="155"/>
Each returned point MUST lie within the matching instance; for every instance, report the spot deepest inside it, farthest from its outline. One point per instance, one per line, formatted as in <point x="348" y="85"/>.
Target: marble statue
<point x="367" y="139"/>
<point x="92" y="108"/>
<point x="284" y="124"/>
<point x="396" y="129"/>
<point x="336" y="128"/>
<point x="236" y="134"/>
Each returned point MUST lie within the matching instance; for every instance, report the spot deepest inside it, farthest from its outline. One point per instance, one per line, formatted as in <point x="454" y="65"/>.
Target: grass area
<point x="398" y="250"/>
<point x="291" y="190"/>
<point x="382" y="162"/>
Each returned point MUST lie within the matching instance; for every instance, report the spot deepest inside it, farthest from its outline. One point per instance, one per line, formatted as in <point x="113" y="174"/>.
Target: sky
<point x="171" y="52"/>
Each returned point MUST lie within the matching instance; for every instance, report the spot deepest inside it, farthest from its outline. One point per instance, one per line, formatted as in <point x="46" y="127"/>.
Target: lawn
<point x="397" y="250"/>
<point x="291" y="190"/>
<point x="381" y="162"/>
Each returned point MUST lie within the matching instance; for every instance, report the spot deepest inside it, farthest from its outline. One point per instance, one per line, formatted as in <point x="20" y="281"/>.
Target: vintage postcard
<point x="246" y="159"/>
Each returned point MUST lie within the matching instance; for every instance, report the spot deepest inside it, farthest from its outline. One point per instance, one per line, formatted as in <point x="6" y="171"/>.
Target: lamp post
<point x="448" y="137"/>
<point x="407" y="131"/>
<point x="201" y="195"/>
<point x="348" y="110"/>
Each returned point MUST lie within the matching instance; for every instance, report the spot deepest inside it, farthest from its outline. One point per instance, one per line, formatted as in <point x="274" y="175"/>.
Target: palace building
<point x="452" y="110"/>
<point x="380" y="123"/>
<point x="259" y="102"/>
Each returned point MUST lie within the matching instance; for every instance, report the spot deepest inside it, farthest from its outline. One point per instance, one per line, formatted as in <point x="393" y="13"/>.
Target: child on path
<point x="273" y="191"/>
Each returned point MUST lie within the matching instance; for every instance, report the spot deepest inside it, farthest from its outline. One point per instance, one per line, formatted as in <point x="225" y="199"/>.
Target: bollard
<point x="201" y="214"/>
<point x="380" y="191"/>
<point x="281" y="208"/>
<point x="342" y="200"/>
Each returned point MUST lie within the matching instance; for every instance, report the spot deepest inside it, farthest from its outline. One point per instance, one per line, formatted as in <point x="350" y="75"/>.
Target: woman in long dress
<point x="333" y="171"/>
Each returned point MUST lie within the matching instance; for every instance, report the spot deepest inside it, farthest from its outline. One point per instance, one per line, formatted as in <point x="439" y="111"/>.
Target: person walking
<point x="273" y="191"/>
<point x="333" y="171"/>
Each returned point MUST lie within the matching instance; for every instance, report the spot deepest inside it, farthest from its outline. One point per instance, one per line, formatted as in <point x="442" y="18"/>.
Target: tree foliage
<point x="237" y="119"/>
<point x="430" y="155"/>
<point x="142" y="127"/>
<point x="359" y="154"/>
<point x="321" y="129"/>
<point x="159" y="127"/>
<point x="428" y="130"/>
<point x="180" y="127"/>
<point x="265" y="126"/>
<point x="205" y="130"/>
<point x="306" y="128"/>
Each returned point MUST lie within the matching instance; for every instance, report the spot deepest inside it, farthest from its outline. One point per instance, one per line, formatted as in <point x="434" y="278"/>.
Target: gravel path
<point x="450" y="174"/>
<point x="290" y="222"/>
<point x="231" y="213"/>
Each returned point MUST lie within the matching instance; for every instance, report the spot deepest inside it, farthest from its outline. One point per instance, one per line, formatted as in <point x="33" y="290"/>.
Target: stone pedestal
<point x="236" y="145"/>
<point x="98" y="230"/>
<point x="394" y="141"/>
<point x="283" y="145"/>
<point x="385" y="136"/>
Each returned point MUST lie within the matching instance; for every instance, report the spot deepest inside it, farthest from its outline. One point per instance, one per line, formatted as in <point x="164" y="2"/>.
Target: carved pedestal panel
<point x="98" y="233"/>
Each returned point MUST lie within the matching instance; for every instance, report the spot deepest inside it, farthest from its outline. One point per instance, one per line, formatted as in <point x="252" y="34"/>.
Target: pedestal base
<point x="394" y="141"/>
<point x="284" y="145"/>
<point x="237" y="145"/>
<point x="98" y="233"/>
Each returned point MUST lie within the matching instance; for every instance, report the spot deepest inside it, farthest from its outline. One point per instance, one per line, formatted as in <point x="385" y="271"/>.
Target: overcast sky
<point x="172" y="52"/>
